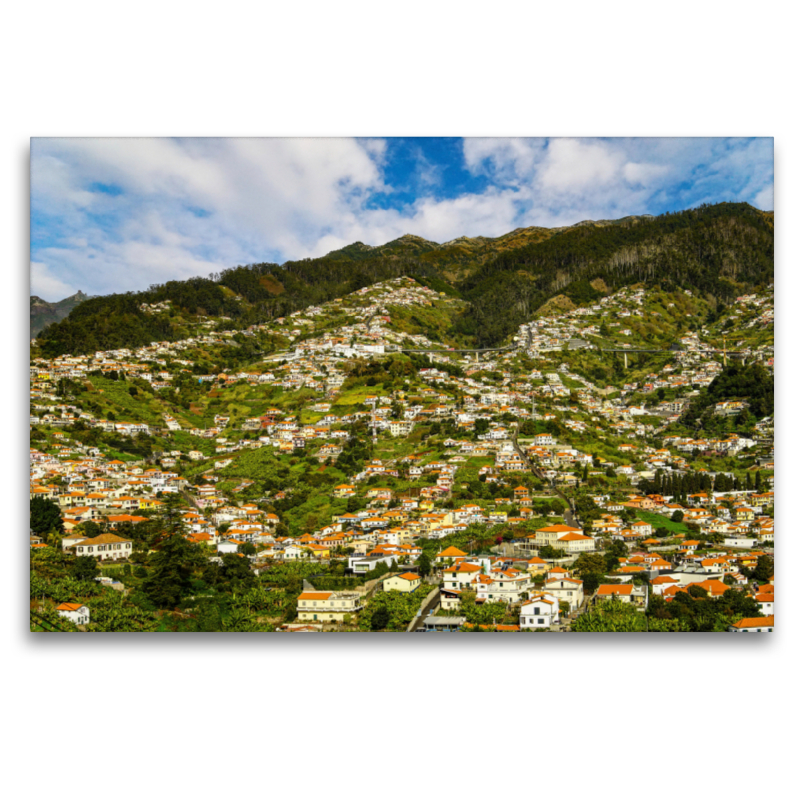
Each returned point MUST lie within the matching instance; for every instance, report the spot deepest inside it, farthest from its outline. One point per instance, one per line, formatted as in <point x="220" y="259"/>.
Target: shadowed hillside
<point x="44" y="313"/>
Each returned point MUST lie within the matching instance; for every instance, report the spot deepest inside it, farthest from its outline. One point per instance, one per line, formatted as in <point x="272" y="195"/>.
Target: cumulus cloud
<point x="644" y="174"/>
<point x="563" y="181"/>
<point x="574" y="165"/>
<point x="504" y="159"/>
<point x="119" y="214"/>
<point x="46" y="285"/>
<point x="174" y="206"/>
<point x="765" y="199"/>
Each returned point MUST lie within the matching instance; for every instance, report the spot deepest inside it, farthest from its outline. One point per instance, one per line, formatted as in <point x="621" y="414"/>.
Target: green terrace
<point x="661" y="521"/>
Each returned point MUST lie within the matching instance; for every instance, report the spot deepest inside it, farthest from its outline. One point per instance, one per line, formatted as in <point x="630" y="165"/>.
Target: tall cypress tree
<point x="172" y="565"/>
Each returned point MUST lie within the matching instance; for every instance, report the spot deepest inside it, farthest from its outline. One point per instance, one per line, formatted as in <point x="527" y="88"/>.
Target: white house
<point x="753" y="625"/>
<point x="105" y="547"/>
<point x="74" y="612"/>
<point x="407" y="582"/>
<point x="503" y="586"/>
<point x="540" y="612"/>
<point x="766" y="603"/>
<point x="313" y="606"/>
<point x="575" y="543"/>
<point x="401" y="427"/>
<point x="624" y="592"/>
<point x="566" y="590"/>
<point x="229" y="546"/>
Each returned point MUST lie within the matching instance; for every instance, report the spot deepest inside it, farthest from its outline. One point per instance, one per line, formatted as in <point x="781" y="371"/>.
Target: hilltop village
<point x="351" y="468"/>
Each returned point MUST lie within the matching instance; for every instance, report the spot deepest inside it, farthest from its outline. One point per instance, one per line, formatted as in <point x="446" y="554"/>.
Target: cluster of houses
<point x="738" y="516"/>
<point x="484" y="404"/>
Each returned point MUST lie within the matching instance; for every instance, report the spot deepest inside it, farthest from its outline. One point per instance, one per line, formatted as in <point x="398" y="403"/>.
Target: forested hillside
<point x="719" y="251"/>
<point x="751" y="384"/>
<point x="245" y="294"/>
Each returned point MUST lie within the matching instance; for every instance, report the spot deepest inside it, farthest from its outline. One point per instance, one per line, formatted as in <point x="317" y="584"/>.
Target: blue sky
<point x="111" y="215"/>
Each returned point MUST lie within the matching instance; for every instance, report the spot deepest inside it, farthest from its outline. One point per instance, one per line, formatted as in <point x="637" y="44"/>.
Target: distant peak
<point x="412" y="237"/>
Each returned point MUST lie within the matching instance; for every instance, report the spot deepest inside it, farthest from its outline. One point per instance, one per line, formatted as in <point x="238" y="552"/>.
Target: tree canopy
<point x="45" y="516"/>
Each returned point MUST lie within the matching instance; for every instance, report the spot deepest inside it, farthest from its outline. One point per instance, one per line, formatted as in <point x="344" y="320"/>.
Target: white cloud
<point x="173" y="208"/>
<point x="259" y="198"/>
<point x="564" y="181"/>
<point x="644" y="174"/>
<point x="492" y="213"/>
<point x="573" y="164"/>
<point x="487" y="214"/>
<point x="48" y="286"/>
<point x="765" y="199"/>
<point x="504" y="159"/>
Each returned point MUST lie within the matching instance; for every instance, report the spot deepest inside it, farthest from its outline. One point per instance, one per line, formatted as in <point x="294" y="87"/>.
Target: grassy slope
<point x="659" y="521"/>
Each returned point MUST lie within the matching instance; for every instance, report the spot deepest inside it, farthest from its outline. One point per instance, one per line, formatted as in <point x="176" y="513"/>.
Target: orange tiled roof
<point x="755" y="622"/>
<point x="314" y="596"/>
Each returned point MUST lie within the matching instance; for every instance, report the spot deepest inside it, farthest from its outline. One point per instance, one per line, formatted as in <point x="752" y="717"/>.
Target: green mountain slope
<point x="455" y="260"/>
<point x="750" y="383"/>
<point x="719" y="251"/>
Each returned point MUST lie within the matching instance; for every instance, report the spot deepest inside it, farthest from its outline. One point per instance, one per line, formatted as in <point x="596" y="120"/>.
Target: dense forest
<point x="116" y="320"/>
<point x="751" y="383"/>
<point x="719" y="251"/>
<point x="247" y="294"/>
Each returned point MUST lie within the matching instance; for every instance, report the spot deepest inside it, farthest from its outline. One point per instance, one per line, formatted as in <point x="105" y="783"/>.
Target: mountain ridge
<point x="719" y="250"/>
<point x="44" y="313"/>
<point x="412" y="238"/>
